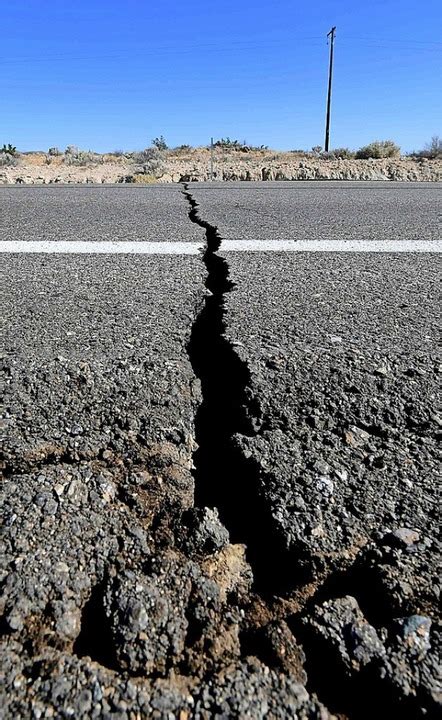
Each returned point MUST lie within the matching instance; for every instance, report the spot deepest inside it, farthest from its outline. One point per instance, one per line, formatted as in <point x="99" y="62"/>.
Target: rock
<point x="404" y="537"/>
<point x="169" y="615"/>
<point x="200" y="530"/>
<point x="416" y="635"/>
<point x="411" y="666"/>
<point x="355" y="436"/>
<point x="340" y="626"/>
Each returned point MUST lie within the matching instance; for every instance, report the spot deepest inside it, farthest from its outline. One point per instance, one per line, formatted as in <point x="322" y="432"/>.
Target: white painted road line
<point x="93" y="247"/>
<point x="390" y="246"/>
<point x="188" y="248"/>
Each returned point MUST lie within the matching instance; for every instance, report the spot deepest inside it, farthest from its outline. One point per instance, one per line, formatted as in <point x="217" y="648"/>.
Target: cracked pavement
<point x="286" y="567"/>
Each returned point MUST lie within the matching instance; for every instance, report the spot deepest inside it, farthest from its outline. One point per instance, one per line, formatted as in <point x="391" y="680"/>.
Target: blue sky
<point x="113" y="74"/>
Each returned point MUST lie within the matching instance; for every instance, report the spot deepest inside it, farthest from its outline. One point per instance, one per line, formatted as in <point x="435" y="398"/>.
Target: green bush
<point x="379" y="149"/>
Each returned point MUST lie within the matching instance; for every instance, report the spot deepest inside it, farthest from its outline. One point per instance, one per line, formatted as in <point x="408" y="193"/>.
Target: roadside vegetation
<point x="8" y="155"/>
<point x="378" y="150"/>
<point x="232" y="159"/>
<point x="74" y="156"/>
<point x="152" y="156"/>
<point x="431" y="151"/>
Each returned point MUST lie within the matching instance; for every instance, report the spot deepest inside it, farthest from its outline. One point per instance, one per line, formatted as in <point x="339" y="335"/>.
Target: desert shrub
<point x="317" y="149"/>
<point x="54" y="152"/>
<point x="434" y="147"/>
<point x="253" y="148"/>
<point x="151" y="160"/>
<point x="117" y="154"/>
<point x="160" y="143"/>
<point x="7" y="160"/>
<point x="182" y="149"/>
<point x="228" y="144"/>
<point x="379" y="149"/>
<point x="8" y="155"/>
<point x="344" y="153"/>
<point x="432" y="150"/>
<point x="244" y="146"/>
<point x="74" y="156"/>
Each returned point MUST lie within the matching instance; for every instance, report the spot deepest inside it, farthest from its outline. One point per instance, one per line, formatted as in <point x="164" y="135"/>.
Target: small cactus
<point x="9" y="149"/>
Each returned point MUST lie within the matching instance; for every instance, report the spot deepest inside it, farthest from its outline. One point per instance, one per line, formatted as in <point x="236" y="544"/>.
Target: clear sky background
<point x="113" y="74"/>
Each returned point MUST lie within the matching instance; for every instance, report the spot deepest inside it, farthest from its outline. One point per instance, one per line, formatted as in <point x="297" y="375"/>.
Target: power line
<point x="394" y="40"/>
<point x="370" y="44"/>
<point x="169" y="50"/>
<point x="314" y="40"/>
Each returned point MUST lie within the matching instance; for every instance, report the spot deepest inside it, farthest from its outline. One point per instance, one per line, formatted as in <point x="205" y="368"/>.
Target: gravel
<point x="343" y="370"/>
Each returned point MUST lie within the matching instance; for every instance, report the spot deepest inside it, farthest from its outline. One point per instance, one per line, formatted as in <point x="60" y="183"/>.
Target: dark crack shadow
<point x="224" y="478"/>
<point x="94" y="639"/>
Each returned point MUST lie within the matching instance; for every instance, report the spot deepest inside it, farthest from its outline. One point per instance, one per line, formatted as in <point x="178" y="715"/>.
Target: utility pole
<point x="330" y="35"/>
<point x="211" y="159"/>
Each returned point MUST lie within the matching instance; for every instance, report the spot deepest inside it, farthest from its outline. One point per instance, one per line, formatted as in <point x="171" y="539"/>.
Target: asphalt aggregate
<point x="322" y="210"/>
<point x="95" y="213"/>
<point x="220" y="475"/>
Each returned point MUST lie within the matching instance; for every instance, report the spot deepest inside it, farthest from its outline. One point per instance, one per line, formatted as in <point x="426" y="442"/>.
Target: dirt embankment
<point x="194" y="165"/>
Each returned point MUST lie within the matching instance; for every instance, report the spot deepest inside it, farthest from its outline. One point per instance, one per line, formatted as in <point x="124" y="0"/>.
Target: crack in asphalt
<point x="224" y="479"/>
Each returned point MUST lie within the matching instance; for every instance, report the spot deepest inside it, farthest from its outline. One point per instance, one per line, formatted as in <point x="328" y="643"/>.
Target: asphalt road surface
<point x="90" y="212"/>
<point x="220" y="474"/>
<point x="322" y="210"/>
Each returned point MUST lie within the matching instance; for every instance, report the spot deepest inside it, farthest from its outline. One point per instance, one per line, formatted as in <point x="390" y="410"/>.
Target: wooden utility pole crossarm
<point x="330" y="35"/>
